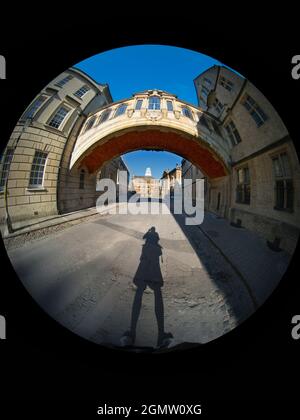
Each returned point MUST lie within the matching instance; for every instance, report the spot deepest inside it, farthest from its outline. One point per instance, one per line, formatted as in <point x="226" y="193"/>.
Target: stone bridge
<point x="152" y="120"/>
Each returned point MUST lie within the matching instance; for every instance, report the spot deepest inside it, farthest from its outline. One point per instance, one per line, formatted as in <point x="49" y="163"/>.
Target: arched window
<point x="154" y="102"/>
<point x="104" y="116"/>
<point x="121" y="110"/>
<point x="81" y="179"/>
<point x="139" y="104"/>
<point x="187" y="112"/>
<point x="170" y="106"/>
<point x="89" y="124"/>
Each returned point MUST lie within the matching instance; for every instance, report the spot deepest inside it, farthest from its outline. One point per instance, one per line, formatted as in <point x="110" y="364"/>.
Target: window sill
<point x="36" y="189"/>
<point x="54" y="130"/>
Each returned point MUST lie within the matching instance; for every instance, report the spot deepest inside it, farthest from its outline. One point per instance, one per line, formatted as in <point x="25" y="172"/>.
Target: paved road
<point x="87" y="277"/>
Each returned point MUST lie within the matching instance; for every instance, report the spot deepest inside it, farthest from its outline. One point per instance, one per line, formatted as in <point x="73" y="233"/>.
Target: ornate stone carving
<point x="154" y="115"/>
<point x="130" y="112"/>
<point x="177" y="114"/>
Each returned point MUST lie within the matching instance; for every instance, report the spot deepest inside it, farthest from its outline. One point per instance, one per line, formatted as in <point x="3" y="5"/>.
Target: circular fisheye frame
<point x="148" y="198"/>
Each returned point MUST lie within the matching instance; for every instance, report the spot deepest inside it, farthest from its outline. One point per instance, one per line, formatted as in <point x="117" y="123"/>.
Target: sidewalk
<point x="26" y="226"/>
<point x="260" y="267"/>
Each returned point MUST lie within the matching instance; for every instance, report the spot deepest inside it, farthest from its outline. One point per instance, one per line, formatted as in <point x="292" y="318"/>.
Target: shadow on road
<point x="148" y="274"/>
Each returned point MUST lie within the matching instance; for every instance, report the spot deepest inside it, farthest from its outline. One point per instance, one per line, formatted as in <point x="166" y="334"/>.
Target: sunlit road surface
<point x="83" y="276"/>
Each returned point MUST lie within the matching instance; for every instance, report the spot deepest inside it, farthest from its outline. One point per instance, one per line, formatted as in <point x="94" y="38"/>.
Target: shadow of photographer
<point x="149" y="275"/>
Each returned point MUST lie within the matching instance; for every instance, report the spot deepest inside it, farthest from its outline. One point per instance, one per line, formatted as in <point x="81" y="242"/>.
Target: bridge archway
<point x="151" y="138"/>
<point x="131" y="124"/>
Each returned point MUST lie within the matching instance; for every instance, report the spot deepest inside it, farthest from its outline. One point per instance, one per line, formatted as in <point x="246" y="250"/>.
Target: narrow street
<point x="83" y="276"/>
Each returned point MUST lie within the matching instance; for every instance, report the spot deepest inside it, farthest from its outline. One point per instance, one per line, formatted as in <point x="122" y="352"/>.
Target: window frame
<point x="62" y="82"/>
<point x="78" y="90"/>
<point x="6" y="171"/>
<point x="119" y="110"/>
<point x="285" y="178"/>
<point x="226" y="83"/>
<point x="243" y="188"/>
<point x="204" y="122"/>
<point x="25" y="116"/>
<point x="88" y="125"/>
<point x="207" y="82"/>
<point x="187" y="112"/>
<point x="232" y="133"/>
<point x="170" y="104"/>
<point x="216" y="127"/>
<point x="219" y="107"/>
<point x="152" y="106"/>
<point x="138" y="107"/>
<point x="37" y="186"/>
<point x="101" y="119"/>
<point x="255" y="111"/>
<point x="63" y="121"/>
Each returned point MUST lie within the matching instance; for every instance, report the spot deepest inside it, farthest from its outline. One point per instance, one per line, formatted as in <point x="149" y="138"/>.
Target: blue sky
<point x="137" y="162"/>
<point x="133" y="69"/>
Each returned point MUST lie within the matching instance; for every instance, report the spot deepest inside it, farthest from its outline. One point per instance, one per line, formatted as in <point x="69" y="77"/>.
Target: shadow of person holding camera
<point x="148" y="275"/>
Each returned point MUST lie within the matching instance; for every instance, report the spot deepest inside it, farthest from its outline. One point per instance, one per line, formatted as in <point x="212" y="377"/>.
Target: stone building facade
<point x="111" y="170"/>
<point x="146" y="186"/>
<point x="35" y="177"/>
<point x="192" y="172"/>
<point x="73" y="129"/>
<point x="169" y="179"/>
<point x="262" y="192"/>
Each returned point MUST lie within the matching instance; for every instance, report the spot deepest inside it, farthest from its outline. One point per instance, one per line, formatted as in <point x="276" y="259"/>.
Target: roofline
<point x="104" y="86"/>
<point x="124" y="164"/>
<point x="206" y="71"/>
<point x="220" y="66"/>
<point x="144" y="92"/>
<point x="120" y="101"/>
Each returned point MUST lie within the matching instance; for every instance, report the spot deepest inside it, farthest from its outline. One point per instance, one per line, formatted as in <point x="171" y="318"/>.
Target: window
<point x="89" y="124"/>
<point x="255" y="111"/>
<point x="233" y="133"/>
<point x="121" y="110"/>
<point x="216" y="128"/>
<point x="170" y="106"/>
<point x="284" y="196"/>
<point x="227" y="84"/>
<point x="5" y="167"/>
<point x="82" y="91"/>
<point x="34" y="107"/>
<point x="58" y="117"/>
<point x="63" y="81"/>
<point x="218" y="105"/>
<point x="37" y="169"/>
<point x="207" y="82"/>
<point x="154" y="102"/>
<point x="139" y="104"/>
<point x="204" y="92"/>
<point x="187" y="112"/>
<point x="204" y="122"/>
<point x="243" y="186"/>
<point x="81" y="179"/>
<point x="104" y="116"/>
